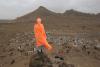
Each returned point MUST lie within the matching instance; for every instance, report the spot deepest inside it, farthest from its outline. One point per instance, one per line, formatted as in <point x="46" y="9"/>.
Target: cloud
<point x="14" y="8"/>
<point x="90" y="6"/>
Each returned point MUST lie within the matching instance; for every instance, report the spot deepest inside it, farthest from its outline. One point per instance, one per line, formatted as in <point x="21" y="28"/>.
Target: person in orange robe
<point x="40" y="35"/>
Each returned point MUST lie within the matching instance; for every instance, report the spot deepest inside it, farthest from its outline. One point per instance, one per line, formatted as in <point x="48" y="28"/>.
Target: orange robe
<point x="40" y="36"/>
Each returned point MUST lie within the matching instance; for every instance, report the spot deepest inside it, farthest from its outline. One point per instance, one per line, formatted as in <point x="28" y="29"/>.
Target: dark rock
<point x="88" y="52"/>
<point x="97" y="47"/>
<point x="13" y="61"/>
<point x="61" y="58"/>
<point x="11" y="54"/>
<point x="40" y="60"/>
<point x="56" y="56"/>
<point x="66" y="65"/>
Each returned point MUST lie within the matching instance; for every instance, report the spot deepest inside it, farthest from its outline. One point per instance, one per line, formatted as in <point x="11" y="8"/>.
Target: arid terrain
<point x="74" y="36"/>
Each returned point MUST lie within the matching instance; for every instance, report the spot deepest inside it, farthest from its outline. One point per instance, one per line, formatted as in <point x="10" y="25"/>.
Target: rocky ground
<point x="74" y="36"/>
<point x="73" y="50"/>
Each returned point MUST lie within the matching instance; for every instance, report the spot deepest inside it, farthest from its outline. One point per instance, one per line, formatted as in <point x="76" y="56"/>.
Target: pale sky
<point x="10" y="9"/>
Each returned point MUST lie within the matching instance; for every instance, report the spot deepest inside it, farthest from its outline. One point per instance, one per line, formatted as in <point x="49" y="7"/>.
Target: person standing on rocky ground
<point x="40" y="37"/>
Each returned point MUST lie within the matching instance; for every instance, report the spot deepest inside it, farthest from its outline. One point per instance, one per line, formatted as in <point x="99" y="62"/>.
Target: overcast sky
<point x="10" y="9"/>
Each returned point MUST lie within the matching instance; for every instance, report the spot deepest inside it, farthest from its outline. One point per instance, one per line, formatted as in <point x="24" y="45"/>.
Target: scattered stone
<point x="63" y="64"/>
<point x="59" y="57"/>
<point x="12" y="62"/>
<point x="23" y="43"/>
<point x="97" y="47"/>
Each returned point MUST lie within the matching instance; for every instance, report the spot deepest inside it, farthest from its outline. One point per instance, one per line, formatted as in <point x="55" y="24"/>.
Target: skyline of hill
<point x="46" y="14"/>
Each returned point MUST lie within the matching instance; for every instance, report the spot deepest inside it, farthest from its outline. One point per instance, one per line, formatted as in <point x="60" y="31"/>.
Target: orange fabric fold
<point x="40" y="36"/>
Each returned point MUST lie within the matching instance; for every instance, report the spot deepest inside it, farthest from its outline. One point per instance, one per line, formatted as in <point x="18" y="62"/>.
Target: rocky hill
<point x="40" y="12"/>
<point x="46" y="14"/>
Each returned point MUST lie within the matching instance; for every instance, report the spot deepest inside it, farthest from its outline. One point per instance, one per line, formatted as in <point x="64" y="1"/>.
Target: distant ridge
<point x="5" y="21"/>
<point x="45" y="13"/>
<point x="40" y="12"/>
<point x="70" y="12"/>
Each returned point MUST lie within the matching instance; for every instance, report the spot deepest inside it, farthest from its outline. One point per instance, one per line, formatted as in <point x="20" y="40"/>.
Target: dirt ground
<point x="77" y="46"/>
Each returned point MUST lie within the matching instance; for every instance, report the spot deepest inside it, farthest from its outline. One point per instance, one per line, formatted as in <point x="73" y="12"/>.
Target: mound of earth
<point x="40" y="60"/>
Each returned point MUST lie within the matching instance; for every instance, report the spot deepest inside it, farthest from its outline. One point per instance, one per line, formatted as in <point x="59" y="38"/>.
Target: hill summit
<point x="44" y="13"/>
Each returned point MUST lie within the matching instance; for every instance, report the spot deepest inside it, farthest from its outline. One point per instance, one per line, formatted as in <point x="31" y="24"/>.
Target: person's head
<point x="38" y="20"/>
